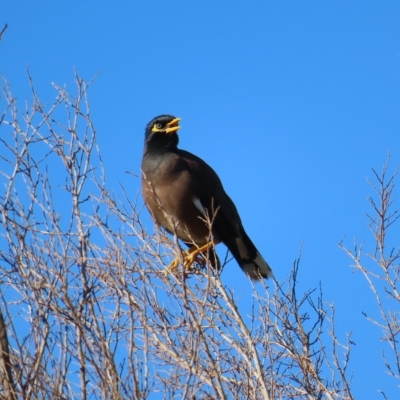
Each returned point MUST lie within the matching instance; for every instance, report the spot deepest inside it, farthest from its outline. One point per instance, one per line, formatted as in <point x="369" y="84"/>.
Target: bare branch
<point x="383" y="276"/>
<point x="3" y="30"/>
<point x="91" y="312"/>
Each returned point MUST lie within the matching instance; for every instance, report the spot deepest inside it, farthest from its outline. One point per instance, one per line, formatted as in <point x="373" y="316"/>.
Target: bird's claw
<point x="192" y="258"/>
<point x="188" y="260"/>
<point x="172" y="267"/>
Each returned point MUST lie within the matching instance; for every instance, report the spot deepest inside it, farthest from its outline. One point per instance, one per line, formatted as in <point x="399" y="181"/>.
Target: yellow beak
<point x="172" y="126"/>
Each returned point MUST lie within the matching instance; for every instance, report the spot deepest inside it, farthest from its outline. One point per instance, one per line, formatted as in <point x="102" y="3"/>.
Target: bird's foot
<point x="172" y="267"/>
<point x="194" y="255"/>
<point x="189" y="258"/>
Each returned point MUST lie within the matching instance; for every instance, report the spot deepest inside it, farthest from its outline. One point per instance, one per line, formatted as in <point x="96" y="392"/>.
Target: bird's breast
<point x="170" y="194"/>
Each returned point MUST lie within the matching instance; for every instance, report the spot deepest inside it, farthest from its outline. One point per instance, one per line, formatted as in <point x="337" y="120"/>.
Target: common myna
<point x="181" y="191"/>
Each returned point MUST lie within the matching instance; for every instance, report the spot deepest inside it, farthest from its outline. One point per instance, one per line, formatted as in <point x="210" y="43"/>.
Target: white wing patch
<point x="198" y="205"/>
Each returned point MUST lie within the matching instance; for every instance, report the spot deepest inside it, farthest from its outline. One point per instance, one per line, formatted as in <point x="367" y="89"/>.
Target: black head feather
<point x="160" y="139"/>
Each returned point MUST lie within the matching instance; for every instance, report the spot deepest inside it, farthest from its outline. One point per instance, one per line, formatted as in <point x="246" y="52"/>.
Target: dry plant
<point x="381" y="268"/>
<point x="87" y="310"/>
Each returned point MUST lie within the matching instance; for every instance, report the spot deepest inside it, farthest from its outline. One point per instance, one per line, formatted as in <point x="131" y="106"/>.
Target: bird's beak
<point x="172" y="126"/>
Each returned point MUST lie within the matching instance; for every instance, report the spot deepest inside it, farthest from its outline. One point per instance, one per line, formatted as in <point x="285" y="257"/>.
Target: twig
<point x="3" y="30"/>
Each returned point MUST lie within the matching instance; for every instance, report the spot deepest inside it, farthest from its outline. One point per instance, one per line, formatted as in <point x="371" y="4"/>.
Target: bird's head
<point x="161" y="132"/>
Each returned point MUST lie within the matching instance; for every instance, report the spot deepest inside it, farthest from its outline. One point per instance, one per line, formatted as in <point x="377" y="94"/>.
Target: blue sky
<point x="292" y="103"/>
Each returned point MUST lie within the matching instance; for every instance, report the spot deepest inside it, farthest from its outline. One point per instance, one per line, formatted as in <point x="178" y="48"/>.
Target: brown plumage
<point x="179" y="189"/>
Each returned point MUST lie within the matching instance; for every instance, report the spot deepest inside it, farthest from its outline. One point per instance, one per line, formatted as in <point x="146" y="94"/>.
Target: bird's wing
<point x="210" y="191"/>
<point x="227" y="224"/>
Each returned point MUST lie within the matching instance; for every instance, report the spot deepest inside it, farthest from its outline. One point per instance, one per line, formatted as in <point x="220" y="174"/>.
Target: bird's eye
<point x="158" y="125"/>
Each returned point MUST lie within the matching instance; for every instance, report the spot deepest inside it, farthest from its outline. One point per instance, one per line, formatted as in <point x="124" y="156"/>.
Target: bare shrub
<point x="88" y="311"/>
<point x="381" y="267"/>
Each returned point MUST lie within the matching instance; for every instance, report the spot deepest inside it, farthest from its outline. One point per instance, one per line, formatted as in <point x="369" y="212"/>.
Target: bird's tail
<point x="256" y="268"/>
<point x="249" y="258"/>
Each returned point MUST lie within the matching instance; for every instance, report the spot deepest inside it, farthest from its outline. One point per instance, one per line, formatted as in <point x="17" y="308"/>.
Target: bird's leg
<point x="192" y="255"/>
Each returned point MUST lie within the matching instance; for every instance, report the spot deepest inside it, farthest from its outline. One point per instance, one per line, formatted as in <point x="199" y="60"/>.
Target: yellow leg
<point x="191" y="255"/>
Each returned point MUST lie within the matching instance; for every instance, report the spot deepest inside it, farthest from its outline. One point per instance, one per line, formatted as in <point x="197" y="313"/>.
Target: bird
<point x="181" y="191"/>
